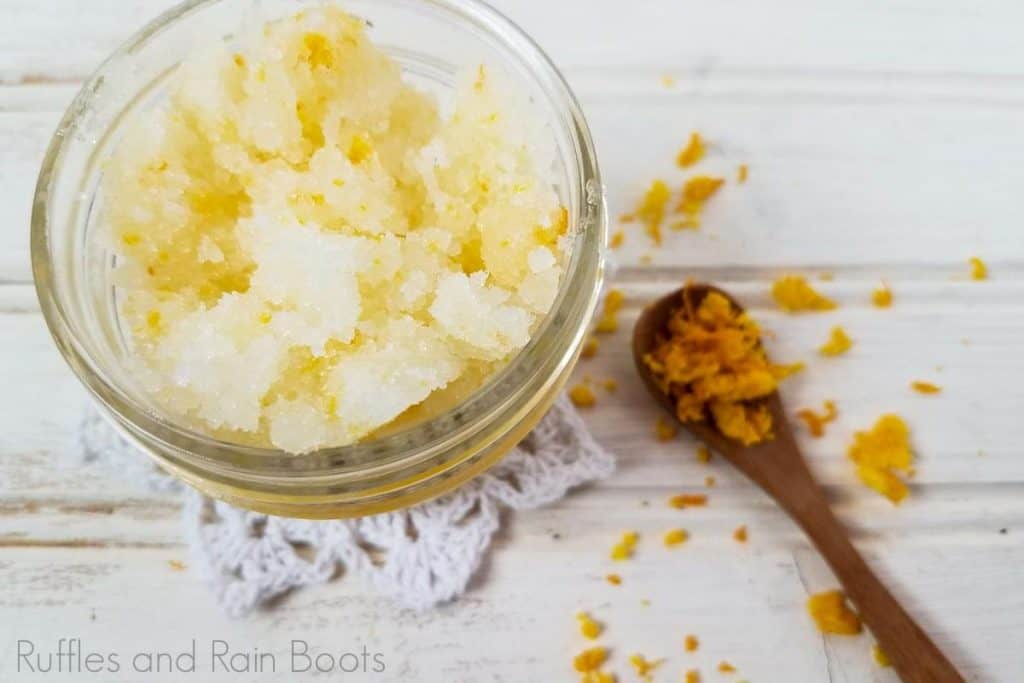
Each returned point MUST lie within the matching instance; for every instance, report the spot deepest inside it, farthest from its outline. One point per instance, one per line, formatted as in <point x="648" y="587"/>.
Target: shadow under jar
<point x="73" y="268"/>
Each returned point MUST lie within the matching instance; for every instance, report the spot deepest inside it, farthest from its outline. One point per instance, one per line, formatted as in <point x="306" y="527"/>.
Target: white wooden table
<point x="884" y="141"/>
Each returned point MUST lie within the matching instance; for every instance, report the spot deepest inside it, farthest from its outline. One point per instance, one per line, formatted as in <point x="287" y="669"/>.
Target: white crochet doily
<point x="421" y="556"/>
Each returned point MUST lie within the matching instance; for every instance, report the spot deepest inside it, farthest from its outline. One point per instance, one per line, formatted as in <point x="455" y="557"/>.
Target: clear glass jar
<point x="431" y="39"/>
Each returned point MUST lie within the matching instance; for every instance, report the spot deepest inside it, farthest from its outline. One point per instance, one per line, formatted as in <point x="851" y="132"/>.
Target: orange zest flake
<point x="676" y="537"/>
<point x="696" y="191"/>
<point x="710" y="361"/>
<point x="665" y="430"/>
<point x="815" y="422"/>
<point x="582" y="396"/>
<point x="691" y="643"/>
<point x="740" y="534"/>
<point x="177" y="565"/>
<point x="742" y="173"/>
<point x="590" y="348"/>
<point x="838" y="343"/>
<point x="688" y="500"/>
<point x="793" y="294"/>
<point x="882" y="296"/>
<point x="709" y="482"/>
<point x="590" y="660"/>
<point x="589" y="628"/>
<point x="832" y="614"/>
<point x="925" y="387"/>
<point x="979" y="271"/>
<point x="644" y="667"/>
<point x="651" y="209"/>
<point x="881" y="659"/>
<point x="614" y="579"/>
<point x="726" y="668"/>
<point x="609" y="320"/>
<point x="617" y="238"/>
<point x="880" y="452"/>
<point x="623" y="550"/>
<point x="692" y="676"/>
<point x="598" y="677"/>
<point x="703" y="455"/>
<point x="692" y="153"/>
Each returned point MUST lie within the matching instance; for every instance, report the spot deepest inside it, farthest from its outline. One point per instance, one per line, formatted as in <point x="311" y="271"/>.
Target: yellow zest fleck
<point x="740" y="534"/>
<point x="643" y="666"/>
<point x="709" y="482"/>
<point x="609" y="320"/>
<point x="711" y="362"/>
<point x="742" y="173"/>
<point x="979" y="271"/>
<point x="703" y="455"/>
<point x="317" y="51"/>
<point x="610" y="385"/>
<point x="668" y="81"/>
<point x="154" y="321"/>
<point x="832" y="614"/>
<point x="599" y="677"/>
<point x="815" y="422"/>
<point x="589" y="348"/>
<point x="880" y="451"/>
<point x="266" y="317"/>
<point x="360" y="149"/>
<point x="726" y="668"/>
<point x="881" y="659"/>
<point x="665" y="430"/>
<point x="590" y="660"/>
<point x="676" y="537"/>
<point x="838" y="343"/>
<point x="131" y="238"/>
<point x="925" y="387"/>
<point x="582" y="396"/>
<point x="696" y="191"/>
<point x="651" y="210"/>
<point x="692" y="676"/>
<point x="623" y="550"/>
<point x="589" y="628"/>
<point x="618" y="237"/>
<point x="177" y="565"/>
<point x="692" y="153"/>
<point x="688" y="223"/>
<point x="239" y="61"/>
<point x="793" y="294"/>
<point x="688" y="500"/>
<point x="614" y="579"/>
<point x="481" y="78"/>
<point x="882" y="296"/>
<point x="691" y="643"/>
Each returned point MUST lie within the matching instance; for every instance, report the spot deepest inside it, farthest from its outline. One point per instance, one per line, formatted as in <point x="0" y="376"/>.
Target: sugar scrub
<point x="308" y="251"/>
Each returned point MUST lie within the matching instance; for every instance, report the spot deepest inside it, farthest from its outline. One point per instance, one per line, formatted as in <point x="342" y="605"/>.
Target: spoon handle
<point x="912" y="653"/>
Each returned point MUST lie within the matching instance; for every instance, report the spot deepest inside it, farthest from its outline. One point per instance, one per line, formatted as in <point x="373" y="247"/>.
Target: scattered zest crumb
<point x="726" y="667"/>
<point x="582" y="396"/>
<point x="880" y="451"/>
<point x="925" y="387"/>
<point x="676" y="537"/>
<point x="590" y="660"/>
<point x="623" y="550"/>
<point x="692" y="153"/>
<point x="703" y="455"/>
<point x="979" y="271"/>
<point x="793" y="294"/>
<point x="665" y="430"/>
<point x="742" y="173"/>
<point x="590" y="348"/>
<point x="710" y="361"/>
<point x="614" y="579"/>
<point x="815" y="422"/>
<point x="668" y="81"/>
<point x="832" y="614"/>
<point x="651" y="209"/>
<point x="740" y="534"/>
<point x="692" y="676"/>
<point x="696" y="191"/>
<point x="882" y="296"/>
<point x="617" y="238"/>
<point x="610" y="385"/>
<point x="609" y="320"/>
<point x="688" y="500"/>
<point x="709" y="482"/>
<point x="881" y="659"/>
<point x="691" y="643"/>
<point x="838" y="343"/>
<point x="644" y="667"/>
<point x="589" y="628"/>
<point x="645" y="259"/>
<point x="176" y="565"/>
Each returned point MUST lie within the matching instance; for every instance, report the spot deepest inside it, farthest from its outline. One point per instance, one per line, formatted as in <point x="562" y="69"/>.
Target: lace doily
<point x="421" y="556"/>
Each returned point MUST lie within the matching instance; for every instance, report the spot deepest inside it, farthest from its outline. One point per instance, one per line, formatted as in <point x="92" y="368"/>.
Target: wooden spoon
<point x="778" y="467"/>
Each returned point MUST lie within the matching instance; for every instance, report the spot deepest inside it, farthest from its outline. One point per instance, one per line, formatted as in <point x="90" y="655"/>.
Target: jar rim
<point x="409" y="446"/>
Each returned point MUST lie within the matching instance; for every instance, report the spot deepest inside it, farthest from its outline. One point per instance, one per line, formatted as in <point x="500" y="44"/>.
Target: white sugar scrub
<point x="308" y="251"/>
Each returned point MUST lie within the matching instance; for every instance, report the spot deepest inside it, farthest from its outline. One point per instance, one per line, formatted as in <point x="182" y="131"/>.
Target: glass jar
<point x="73" y="269"/>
